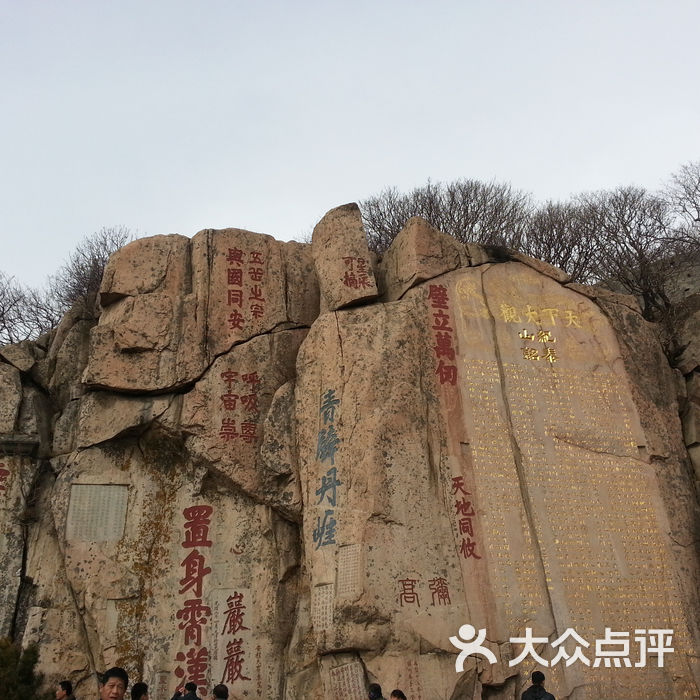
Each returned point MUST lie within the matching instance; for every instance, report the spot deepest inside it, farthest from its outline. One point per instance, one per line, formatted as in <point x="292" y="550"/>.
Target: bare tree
<point x="683" y="193"/>
<point x="11" y="310"/>
<point x="490" y="213"/>
<point x="564" y="234"/>
<point x="637" y="244"/>
<point x="80" y="276"/>
<point x="27" y="312"/>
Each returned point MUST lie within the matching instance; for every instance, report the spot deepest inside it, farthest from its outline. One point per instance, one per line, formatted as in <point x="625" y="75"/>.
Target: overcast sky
<point x="171" y="117"/>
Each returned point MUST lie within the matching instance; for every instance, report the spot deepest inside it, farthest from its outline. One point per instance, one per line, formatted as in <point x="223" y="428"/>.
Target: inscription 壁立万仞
<point x="443" y="334"/>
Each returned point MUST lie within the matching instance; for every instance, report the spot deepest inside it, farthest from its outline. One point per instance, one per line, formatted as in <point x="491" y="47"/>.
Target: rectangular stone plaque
<point x="348" y="682"/>
<point x="97" y="512"/>
<point x="349" y="570"/>
<point x="162" y="686"/>
<point x="322" y="607"/>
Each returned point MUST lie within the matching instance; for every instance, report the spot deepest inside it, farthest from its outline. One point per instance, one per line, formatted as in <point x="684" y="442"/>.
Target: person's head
<point x="220" y="691"/>
<point x="398" y="694"/>
<point x="139" y="691"/>
<point x="65" y="688"/>
<point x="191" y="687"/>
<point x="537" y="677"/>
<point x="114" y="682"/>
<point x="374" y="692"/>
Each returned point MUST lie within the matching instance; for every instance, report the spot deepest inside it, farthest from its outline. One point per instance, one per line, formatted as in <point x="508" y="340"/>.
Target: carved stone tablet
<point x="349" y="570"/>
<point x="97" y="512"/>
<point x="162" y="686"/>
<point x="348" y="681"/>
<point x="322" y="607"/>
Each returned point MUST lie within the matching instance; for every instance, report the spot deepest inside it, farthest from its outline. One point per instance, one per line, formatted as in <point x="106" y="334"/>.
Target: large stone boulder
<point x="298" y="469"/>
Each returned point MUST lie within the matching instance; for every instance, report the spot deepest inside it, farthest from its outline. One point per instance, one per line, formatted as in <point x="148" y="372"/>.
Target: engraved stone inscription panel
<point x="97" y="512"/>
<point x="349" y="570"/>
<point x="557" y="430"/>
<point x="162" y="686"/>
<point x="348" y="681"/>
<point x="322" y="607"/>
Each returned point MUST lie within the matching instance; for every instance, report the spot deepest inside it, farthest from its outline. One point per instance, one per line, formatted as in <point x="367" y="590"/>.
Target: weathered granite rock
<point x="157" y="264"/>
<point x="17" y="474"/>
<point x="20" y="355"/>
<point x="689" y="340"/>
<point x="197" y="300"/>
<point x="418" y="253"/>
<point x="10" y="397"/>
<point x="243" y="490"/>
<point x="342" y="258"/>
<point x="104" y="416"/>
<point x="223" y="414"/>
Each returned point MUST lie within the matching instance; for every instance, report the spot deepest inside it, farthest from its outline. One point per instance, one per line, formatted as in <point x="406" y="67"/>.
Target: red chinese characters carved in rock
<point x="194" y="614"/>
<point x="235" y="658"/>
<point x="245" y="272"/>
<point x="246" y="399"/>
<point x="464" y="512"/>
<point x="356" y="275"/>
<point x="196" y="665"/>
<point x="235" y="612"/>
<point x="442" y="331"/>
<point x="408" y="593"/>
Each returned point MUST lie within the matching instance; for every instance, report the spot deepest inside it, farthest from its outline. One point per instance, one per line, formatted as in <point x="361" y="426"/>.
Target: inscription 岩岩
<point x="97" y="512"/>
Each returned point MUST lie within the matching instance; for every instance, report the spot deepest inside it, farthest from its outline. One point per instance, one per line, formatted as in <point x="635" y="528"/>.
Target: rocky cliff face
<point x="297" y="469"/>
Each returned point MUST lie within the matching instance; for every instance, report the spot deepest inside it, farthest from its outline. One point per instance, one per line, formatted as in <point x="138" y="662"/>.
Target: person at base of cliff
<point x="65" y="691"/>
<point x="139" y="691"/>
<point x="220" y="692"/>
<point x="113" y="684"/>
<point x="398" y="694"/>
<point x="536" y="691"/>
<point x="374" y="692"/>
<point x="191" y="693"/>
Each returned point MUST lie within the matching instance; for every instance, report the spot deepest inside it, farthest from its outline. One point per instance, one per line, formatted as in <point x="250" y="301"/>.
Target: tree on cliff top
<point x="627" y="239"/>
<point x="18" y="679"/>
<point x="479" y="212"/>
<point x="27" y="312"/>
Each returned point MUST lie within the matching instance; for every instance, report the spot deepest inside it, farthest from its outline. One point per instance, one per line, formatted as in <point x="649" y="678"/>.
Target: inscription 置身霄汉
<point x="97" y="512"/>
<point x="348" y="681"/>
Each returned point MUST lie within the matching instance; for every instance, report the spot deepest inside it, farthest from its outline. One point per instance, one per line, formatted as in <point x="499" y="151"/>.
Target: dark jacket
<point x="536" y="692"/>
